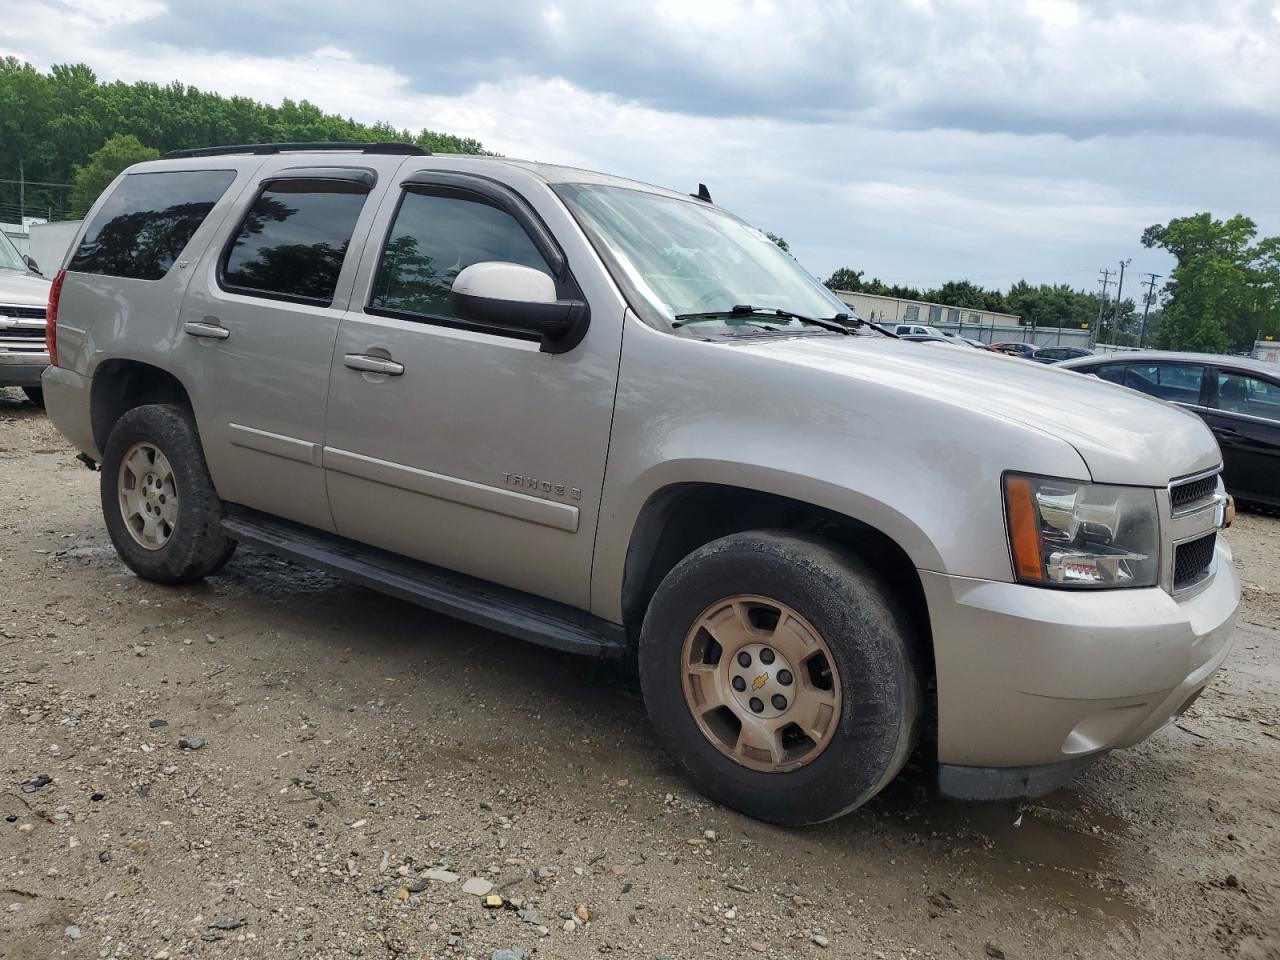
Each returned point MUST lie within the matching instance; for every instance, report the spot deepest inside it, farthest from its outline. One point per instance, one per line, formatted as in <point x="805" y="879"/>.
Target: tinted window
<point x="1114" y="373"/>
<point x="1178" y="382"/>
<point x="293" y="240"/>
<point x="432" y="240"/>
<point x="1252" y="395"/>
<point x="142" y="227"/>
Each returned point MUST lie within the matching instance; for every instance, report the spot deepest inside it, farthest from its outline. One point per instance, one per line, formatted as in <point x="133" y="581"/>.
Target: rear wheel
<point x="35" y="395"/>
<point x="777" y="669"/>
<point x="160" y="507"/>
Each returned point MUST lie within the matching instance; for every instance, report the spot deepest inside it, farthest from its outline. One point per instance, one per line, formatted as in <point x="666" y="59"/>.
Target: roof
<point x="1157" y="356"/>
<point x="549" y="172"/>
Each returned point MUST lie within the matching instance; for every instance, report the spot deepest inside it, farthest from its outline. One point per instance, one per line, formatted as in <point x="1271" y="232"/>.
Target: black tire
<point x="197" y="546"/>
<point x="868" y="634"/>
<point x="35" y="395"/>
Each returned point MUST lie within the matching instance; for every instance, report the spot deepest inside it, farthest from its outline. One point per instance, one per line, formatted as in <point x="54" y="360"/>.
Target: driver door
<point x="465" y="446"/>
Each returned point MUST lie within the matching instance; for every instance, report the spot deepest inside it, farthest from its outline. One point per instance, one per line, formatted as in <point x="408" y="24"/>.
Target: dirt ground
<point x="352" y="741"/>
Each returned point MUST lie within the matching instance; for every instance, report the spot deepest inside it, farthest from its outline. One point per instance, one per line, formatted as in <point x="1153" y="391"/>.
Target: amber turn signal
<point x="1024" y="528"/>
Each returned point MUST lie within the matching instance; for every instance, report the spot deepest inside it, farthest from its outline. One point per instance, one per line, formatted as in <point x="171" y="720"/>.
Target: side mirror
<point x="31" y="264"/>
<point x="515" y="297"/>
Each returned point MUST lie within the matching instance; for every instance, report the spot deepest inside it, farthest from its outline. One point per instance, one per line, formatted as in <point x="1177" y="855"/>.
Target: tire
<point x="35" y="395"/>
<point x="194" y="545"/>
<point x="870" y="729"/>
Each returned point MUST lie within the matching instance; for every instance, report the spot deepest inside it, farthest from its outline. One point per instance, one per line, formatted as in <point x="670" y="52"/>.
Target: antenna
<point x="703" y="193"/>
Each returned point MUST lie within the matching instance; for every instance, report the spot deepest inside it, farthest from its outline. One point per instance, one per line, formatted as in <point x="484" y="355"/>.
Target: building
<point x="985" y="325"/>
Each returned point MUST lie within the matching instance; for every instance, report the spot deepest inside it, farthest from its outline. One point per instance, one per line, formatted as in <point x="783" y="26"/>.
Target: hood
<point x="1123" y="436"/>
<point x="23" y="289"/>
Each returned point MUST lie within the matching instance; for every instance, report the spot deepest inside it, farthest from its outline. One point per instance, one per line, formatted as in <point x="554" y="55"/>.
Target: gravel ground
<point x="339" y="745"/>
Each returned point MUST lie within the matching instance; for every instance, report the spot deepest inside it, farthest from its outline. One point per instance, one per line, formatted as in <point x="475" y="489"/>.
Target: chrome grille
<point x="1191" y="491"/>
<point x="22" y="313"/>
<point x="22" y="333"/>
<point x="1193" y="560"/>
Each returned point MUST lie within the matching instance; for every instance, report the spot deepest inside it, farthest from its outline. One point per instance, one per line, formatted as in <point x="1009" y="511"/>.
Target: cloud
<point x="921" y="141"/>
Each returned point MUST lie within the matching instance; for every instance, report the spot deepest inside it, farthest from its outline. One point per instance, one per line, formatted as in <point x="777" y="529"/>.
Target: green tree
<point x="779" y="241"/>
<point x="121" y="151"/>
<point x="1225" y="287"/>
<point x="845" y="279"/>
<point x="51" y="123"/>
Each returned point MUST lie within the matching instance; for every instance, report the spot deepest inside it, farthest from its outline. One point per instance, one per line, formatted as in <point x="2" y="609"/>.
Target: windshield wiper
<point x="745" y="310"/>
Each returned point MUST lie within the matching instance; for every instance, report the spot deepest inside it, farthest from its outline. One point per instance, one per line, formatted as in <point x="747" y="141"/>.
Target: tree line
<point x="51" y="125"/>
<point x="1222" y="294"/>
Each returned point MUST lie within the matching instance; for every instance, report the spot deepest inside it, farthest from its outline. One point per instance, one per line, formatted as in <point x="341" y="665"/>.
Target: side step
<point x="466" y="598"/>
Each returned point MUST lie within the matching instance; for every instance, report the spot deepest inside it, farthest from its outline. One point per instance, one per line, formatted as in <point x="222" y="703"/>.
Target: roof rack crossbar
<point x="400" y="149"/>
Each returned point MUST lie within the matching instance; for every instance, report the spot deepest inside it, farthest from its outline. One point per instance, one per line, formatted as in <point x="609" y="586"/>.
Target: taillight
<point x="51" y="317"/>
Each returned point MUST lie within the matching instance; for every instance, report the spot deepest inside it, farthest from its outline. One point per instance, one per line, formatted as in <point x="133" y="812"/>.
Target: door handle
<point x="1227" y="433"/>
<point x="367" y="364"/>
<point x="207" y="329"/>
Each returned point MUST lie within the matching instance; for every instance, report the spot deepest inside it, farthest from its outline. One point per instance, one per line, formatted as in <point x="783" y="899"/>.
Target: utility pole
<point x="1149" y="299"/>
<point x="1102" y="302"/>
<point x="22" y="192"/>
<point x="1119" y="293"/>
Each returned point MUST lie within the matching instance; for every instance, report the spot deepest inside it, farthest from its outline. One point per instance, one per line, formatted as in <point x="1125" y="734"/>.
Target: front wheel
<point x="158" y="500"/>
<point x="777" y="669"/>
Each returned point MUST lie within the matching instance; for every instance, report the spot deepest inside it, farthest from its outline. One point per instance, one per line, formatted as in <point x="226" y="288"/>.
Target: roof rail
<point x="403" y="149"/>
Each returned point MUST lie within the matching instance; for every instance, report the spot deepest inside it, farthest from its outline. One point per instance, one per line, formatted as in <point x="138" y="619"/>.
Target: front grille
<point x="22" y="333"/>
<point x="1192" y="560"/>
<point x="22" y="313"/>
<point x="1183" y="494"/>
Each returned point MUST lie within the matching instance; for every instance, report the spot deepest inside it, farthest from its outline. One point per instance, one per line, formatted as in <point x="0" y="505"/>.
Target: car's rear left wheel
<point x="158" y="501"/>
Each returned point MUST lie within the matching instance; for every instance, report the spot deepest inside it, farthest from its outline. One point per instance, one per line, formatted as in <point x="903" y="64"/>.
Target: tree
<point x="51" y="123"/>
<point x="845" y="279"/>
<point x="1225" y="288"/>
<point x="779" y="241"/>
<point x="105" y="163"/>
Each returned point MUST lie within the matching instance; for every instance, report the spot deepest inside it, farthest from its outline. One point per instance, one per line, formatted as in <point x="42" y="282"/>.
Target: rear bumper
<point x="66" y="403"/>
<point x="22" y="368"/>
<point x="1029" y="677"/>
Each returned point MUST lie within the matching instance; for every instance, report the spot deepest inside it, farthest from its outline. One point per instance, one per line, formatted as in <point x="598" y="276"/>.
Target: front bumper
<point x="1029" y="676"/>
<point x="22" y="368"/>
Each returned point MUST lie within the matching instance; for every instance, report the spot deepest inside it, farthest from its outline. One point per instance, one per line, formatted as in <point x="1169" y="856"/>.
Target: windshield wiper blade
<point x="745" y="311"/>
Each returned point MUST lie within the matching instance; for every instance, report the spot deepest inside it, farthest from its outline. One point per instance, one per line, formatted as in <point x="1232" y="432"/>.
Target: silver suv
<point x="617" y="420"/>
<point x="24" y="294"/>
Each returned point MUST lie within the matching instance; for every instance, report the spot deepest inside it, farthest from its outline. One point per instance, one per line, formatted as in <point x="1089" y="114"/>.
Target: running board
<point x="466" y="598"/>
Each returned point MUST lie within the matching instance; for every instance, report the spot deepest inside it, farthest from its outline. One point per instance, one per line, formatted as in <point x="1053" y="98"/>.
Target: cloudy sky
<point x="920" y="141"/>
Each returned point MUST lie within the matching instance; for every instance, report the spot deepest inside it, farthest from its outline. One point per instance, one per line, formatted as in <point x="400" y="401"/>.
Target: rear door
<point x="257" y="332"/>
<point x="1244" y="415"/>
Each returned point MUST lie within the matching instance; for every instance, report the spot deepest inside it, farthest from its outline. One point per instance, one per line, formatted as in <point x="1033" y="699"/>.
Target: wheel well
<point x="680" y="519"/>
<point x="121" y="385"/>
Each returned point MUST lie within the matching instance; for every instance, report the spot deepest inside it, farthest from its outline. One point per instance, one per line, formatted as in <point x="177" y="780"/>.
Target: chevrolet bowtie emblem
<point x="760" y="681"/>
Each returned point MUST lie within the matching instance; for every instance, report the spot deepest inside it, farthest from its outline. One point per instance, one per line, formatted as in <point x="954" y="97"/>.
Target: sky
<point x="919" y="141"/>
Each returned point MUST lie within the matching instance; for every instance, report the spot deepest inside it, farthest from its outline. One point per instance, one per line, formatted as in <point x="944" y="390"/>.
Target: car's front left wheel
<point x="161" y="509"/>
<point x="778" y="670"/>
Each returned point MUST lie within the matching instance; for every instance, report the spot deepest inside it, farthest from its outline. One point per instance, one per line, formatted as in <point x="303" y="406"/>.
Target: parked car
<point x="411" y="370"/>
<point x="917" y="330"/>
<point x="927" y="338"/>
<point x="1238" y="397"/>
<point x="1014" y="348"/>
<point x="1058" y="354"/>
<point x="976" y="344"/>
<point x="24" y="295"/>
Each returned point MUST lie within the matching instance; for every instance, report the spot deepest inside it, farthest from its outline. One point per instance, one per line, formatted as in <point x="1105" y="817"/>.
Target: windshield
<point x="9" y="257"/>
<point x="683" y="258"/>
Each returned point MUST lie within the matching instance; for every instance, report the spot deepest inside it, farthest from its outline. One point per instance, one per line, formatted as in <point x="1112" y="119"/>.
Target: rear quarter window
<point x="143" y="226"/>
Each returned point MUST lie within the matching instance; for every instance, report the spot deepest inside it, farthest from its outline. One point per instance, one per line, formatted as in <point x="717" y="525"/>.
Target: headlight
<point x="1065" y="533"/>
